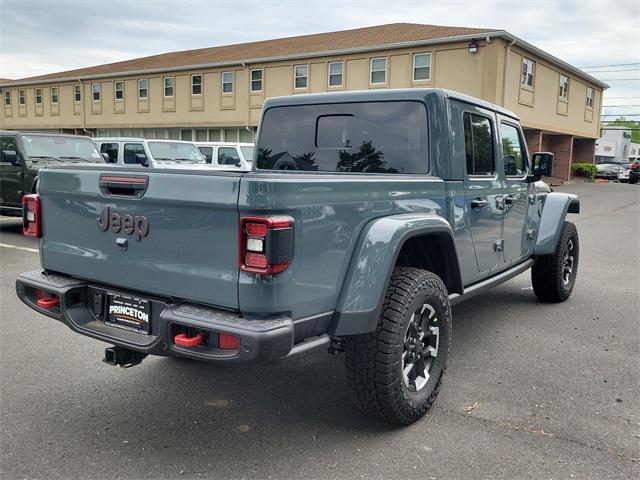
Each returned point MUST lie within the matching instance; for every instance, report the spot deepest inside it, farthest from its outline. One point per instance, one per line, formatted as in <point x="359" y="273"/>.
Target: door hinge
<point x="498" y="245"/>
<point x="531" y="234"/>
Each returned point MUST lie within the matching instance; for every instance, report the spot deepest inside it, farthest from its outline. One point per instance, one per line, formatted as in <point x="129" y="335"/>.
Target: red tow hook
<point x="48" y="302"/>
<point x="184" y="341"/>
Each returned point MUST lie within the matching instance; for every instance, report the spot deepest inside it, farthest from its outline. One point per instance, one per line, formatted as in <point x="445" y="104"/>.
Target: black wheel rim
<point x="420" y="347"/>
<point x="568" y="262"/>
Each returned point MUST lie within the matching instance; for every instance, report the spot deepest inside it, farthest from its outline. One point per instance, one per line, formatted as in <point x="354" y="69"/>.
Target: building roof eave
<point x="301" y="56"/>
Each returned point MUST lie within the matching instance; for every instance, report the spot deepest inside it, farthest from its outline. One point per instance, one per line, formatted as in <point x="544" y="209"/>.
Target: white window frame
<point x="371" y="70"/>
<point x="590" y="96"/>
<point x="22" y="97"/>
<point x="7" y="96"/>
<point x="525" y="75"/>
<point x="563" y="88"/>
<point x="223" y="82"/>
<point x="94" y="91"/>
<point x="115" y="90"/>
<point x="341" y="74"/>
<point x="38" y="95"/>
<point x="77" y="89"/>
<point x="146" y="88"/>
<point x="57" y="95"/>
<point x="164" y="87"/>
<point x="251" y="80"/>
<point x="200" y="84"/>
<point x="413" y="73"/>
<point x="296" y="76"/>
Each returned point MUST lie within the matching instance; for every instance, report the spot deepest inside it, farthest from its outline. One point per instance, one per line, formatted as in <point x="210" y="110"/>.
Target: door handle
<point x="509" y="199"/>
<point x="479" y="203"/>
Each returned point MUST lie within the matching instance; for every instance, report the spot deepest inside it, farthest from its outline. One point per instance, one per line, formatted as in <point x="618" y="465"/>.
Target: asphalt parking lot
<point x="533" y="390"/>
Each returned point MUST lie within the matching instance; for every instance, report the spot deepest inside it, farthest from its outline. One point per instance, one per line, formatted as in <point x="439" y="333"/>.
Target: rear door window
<point x="478" y="145"/>
<point x="130" y="151"/>
<point x="8" y="147"/>
<point x="228" y="156"/>
<point x="111" y="149"/>
<point x="371" y="137"/>
<point x="207" y="152"/>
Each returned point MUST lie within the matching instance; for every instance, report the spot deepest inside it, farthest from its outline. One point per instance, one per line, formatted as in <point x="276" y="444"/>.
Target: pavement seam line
<point x="26" y="249"/>
<point x="541" y="433"/>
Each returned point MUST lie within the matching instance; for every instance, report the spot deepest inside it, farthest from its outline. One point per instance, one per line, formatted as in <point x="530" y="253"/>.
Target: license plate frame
<point x="128" y="312"/>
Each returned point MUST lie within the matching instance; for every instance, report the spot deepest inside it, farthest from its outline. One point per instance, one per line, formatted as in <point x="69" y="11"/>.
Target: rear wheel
<point x="554" y="276"/>
<point x="395" y="372"/>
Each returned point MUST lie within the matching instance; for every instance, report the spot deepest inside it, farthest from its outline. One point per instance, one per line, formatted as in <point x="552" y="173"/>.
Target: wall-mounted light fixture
<point x="473" y="46"/>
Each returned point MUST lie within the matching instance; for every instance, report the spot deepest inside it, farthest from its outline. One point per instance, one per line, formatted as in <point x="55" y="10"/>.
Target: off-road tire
<point x="548" y="274"/>
<point x="374" y="360"/>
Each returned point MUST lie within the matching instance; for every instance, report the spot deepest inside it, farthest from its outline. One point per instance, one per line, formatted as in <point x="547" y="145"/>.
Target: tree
<point x="634" y="125"/>
<point x="367" y="160"/>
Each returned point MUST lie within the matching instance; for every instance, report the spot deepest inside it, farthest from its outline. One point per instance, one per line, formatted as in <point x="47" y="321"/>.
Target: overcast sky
<point x="44" y="36"/>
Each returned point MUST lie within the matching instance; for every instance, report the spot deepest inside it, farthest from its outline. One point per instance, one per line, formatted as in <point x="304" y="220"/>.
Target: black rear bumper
<point x="80" y="309"/>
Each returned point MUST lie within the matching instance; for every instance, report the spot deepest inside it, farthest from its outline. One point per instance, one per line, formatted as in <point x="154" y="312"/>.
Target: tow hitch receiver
<point x="122" y="356"/>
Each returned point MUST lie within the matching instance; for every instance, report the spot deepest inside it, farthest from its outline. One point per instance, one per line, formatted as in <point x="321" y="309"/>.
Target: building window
<point x="421" y="67"/>
<point x="335" y="74"/>
<point x="528" y="72"/>
<point x="95" y="92"/>
<point x="300" y="75"/>
<point x="54" y="95"/>
<point x="143" y="88"/>
<point x="564" y="87"/>
<point x="7" y="98"/>
<point x="196" y="84"/>
<point x="119" y="91"/>
<point x="256" y="80"/>
<point x="478" y="144"/>
<point x="77" y="95"/>
<point x="38" y="96"/>
<point x="227" y="82"/>
<point x="378" y="70"/>
<point x="589" y="97"/>
<point x="21" y="99"/>
<point x="168" y="87"/>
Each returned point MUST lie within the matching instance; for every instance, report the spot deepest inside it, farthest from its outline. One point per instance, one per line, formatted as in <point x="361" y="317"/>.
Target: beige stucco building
<point x="217" y="93"/>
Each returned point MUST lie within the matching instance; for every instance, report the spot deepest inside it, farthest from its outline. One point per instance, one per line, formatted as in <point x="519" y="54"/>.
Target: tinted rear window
<point x="374" y="137"/>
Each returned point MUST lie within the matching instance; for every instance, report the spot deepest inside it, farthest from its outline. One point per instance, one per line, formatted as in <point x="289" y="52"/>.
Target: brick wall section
<point x="562" y="147"/>
<point x="584" y="150"/>
<point x="533" y="139"/>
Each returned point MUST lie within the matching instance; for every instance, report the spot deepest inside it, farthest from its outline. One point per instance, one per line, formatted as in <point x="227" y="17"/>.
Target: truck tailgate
<point x="188" y="251"/>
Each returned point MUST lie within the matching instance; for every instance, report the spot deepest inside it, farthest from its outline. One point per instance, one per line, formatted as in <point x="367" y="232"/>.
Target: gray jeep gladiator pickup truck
<point x="365" y="217"/>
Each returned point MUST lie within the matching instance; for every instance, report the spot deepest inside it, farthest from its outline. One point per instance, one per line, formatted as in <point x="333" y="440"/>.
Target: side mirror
<point x="238" y="163"/>
<point x="141" y="158"/>
<point x="105" y="157"/>
<point x="542" y="164"/>
<point x="10" y="156"/>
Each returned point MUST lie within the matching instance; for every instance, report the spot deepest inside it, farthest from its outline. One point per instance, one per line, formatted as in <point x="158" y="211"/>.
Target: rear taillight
<point x="266" y="244"/>
<point x="31" y="215"/>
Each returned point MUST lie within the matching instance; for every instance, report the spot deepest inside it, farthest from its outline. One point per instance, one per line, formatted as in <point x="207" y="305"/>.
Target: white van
<point x="150" y="152"/>
<point x="228" y="156"/>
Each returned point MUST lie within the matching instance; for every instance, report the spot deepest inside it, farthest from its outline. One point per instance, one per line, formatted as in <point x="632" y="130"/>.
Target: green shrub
<point x="588" y="170"/>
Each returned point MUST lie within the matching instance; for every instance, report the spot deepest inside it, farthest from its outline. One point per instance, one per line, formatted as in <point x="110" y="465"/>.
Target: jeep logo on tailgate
<point x="137" y="225"/>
